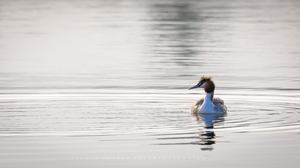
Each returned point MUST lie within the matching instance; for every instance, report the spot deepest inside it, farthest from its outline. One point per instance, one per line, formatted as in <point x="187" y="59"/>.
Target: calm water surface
<point x="104" y="83"/>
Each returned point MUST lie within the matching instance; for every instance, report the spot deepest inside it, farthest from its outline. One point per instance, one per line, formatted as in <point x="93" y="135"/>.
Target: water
<point x="104" y="83"/>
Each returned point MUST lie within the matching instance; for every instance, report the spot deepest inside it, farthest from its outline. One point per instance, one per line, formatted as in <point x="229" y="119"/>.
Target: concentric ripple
<point x="164" y="114"/>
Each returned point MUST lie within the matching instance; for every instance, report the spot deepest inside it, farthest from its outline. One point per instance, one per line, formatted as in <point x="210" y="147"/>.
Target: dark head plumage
<point x="206" y="83"/>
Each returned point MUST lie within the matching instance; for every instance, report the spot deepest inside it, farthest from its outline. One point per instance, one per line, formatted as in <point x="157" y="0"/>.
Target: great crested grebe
<point x="209" y="104"/>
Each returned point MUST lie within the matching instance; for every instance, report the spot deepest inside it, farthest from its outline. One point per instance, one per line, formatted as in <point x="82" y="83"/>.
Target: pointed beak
<point x="196" y="86"/>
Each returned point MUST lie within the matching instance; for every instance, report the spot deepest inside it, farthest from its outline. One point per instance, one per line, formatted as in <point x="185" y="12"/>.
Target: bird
<point x="208" y="104"/>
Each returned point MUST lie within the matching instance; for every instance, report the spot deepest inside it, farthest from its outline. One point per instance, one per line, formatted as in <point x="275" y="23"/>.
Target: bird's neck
<point x="208" y="105"/>
<point x="209" y="97"/>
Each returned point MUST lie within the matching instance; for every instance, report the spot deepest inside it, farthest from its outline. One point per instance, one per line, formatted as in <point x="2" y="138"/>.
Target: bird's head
<point x="206" y="83"/>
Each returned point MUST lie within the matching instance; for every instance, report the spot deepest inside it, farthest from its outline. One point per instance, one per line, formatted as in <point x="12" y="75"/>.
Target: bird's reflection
<point x="208" y="120"/>
<point x="207" y="139"/>
<point x="207" y="135"/>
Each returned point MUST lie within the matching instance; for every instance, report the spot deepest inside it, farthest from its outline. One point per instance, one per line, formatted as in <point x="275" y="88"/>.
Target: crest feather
<point x="205" y="78"/>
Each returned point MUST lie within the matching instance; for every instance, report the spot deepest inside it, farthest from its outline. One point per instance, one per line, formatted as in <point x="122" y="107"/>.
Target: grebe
<point x="209" y="104"/>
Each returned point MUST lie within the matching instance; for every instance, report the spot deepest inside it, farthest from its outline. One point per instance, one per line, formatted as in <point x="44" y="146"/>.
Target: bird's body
<point x="216" y="105"/>
<point x="208" y="104"/>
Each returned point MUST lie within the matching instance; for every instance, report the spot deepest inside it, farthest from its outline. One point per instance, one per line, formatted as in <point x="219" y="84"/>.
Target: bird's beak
<point x="196" y="86"/>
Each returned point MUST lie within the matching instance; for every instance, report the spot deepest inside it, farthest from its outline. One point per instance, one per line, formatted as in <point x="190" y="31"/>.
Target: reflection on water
<point x="175" y="33"/>
<point x="207" y="139"/>
<point x="210" y="119"/>
<point x="80" y="79"/>
<point x="207" y="136"/>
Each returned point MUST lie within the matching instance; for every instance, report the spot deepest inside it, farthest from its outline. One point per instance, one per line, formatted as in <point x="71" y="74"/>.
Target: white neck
<point x="209" y="97"/>
<point x="208" y="105"/>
